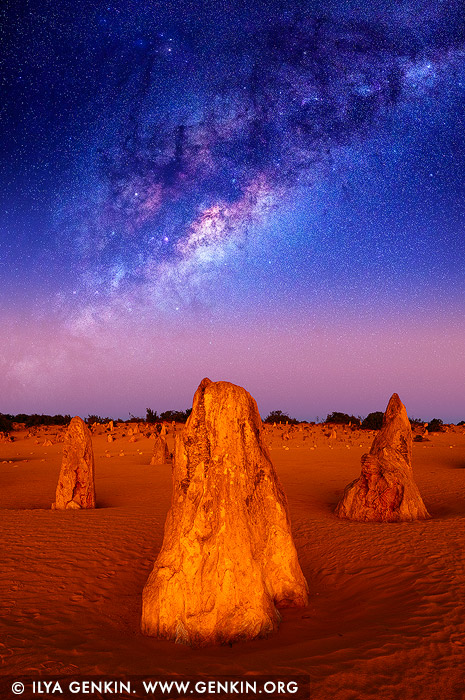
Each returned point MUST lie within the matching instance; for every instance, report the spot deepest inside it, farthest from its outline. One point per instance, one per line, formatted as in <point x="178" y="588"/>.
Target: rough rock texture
<point x="385" y="490"/>
<point x="228" y="559"/>
<point x="76" y="481"/>
<point x="161" y="453"/>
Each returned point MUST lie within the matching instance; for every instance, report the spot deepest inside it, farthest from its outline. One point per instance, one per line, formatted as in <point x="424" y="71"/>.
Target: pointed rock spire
<point x="228" y="559"/>
<point x="161" y="454"/>
<point x="76" y="481"/>
<point x="385" y="490"/>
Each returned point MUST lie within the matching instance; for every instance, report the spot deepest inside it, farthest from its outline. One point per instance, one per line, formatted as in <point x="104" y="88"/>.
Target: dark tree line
<point x="373" y="421"/>
<point x="342" y="418"/>
<point x="7" y="420"/>
<point x="280" y="417"/>
<point x="178" y="416"/>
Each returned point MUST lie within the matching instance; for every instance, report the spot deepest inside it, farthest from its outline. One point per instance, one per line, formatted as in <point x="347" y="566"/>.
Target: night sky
<point x="269" y="193"/>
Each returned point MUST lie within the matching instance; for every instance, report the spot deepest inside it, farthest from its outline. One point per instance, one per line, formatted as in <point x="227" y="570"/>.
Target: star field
<point x="260" y="192"/>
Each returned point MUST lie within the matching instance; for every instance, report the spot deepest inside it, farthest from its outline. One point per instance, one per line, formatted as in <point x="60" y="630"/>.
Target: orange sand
<point x="387" y="608"/>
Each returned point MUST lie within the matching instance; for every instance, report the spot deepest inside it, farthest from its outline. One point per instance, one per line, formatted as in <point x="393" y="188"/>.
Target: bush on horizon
<point x="133" y="419"/>
<point x="6" y="425"/>
<point x="435" y="425"/>
<point x="373" y="421"/>
<point x="177" y="416"/>
<point x="36" y="419"/>
<point x="90" y="420"/>
<point x="280" y="417"/>
<point x="151" y="416"/>
<point x="342" y="418"/>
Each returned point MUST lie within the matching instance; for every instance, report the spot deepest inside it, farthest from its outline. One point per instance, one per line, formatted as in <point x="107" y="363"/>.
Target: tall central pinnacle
<point x="228" y="559"/>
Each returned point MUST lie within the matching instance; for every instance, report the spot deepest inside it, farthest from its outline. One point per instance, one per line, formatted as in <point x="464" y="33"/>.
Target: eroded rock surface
<point x="76" y="481"/>
<point x="228" y="560"/>
<point x="385" y="490"/>
<point x="161" y="453"/>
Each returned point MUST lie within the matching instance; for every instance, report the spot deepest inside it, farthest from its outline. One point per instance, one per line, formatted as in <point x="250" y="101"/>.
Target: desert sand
<point x="386" y="614"/>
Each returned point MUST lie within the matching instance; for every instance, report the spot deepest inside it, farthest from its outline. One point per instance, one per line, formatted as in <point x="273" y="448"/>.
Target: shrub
<point x="177" y="416"/>
<point x="6" y="424"/>
<point x="341" y="418"/>
<point x="61" y="420"/>
<point x="280" y="417"/>
<point x="90" y="420"/>
<point x="40" y="419"/>
<point x="435" y="425"/>
<point x="151" y="416"/>
<point x="373" y="421"/>
<point x="133" y="419"/>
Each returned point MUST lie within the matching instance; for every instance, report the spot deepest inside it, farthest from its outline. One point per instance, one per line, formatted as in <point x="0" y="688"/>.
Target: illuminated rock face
<point x="76" y="481"/>
<point x="385" y="490"/>
<point x="228" y="559"/>
<point x="161" y="453"/>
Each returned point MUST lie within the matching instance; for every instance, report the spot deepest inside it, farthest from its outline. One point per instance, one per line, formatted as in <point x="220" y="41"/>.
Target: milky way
<point x="182" y="183"/>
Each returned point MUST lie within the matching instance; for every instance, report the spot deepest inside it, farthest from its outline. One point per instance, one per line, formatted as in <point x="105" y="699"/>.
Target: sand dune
<point x="386" y="617"/>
